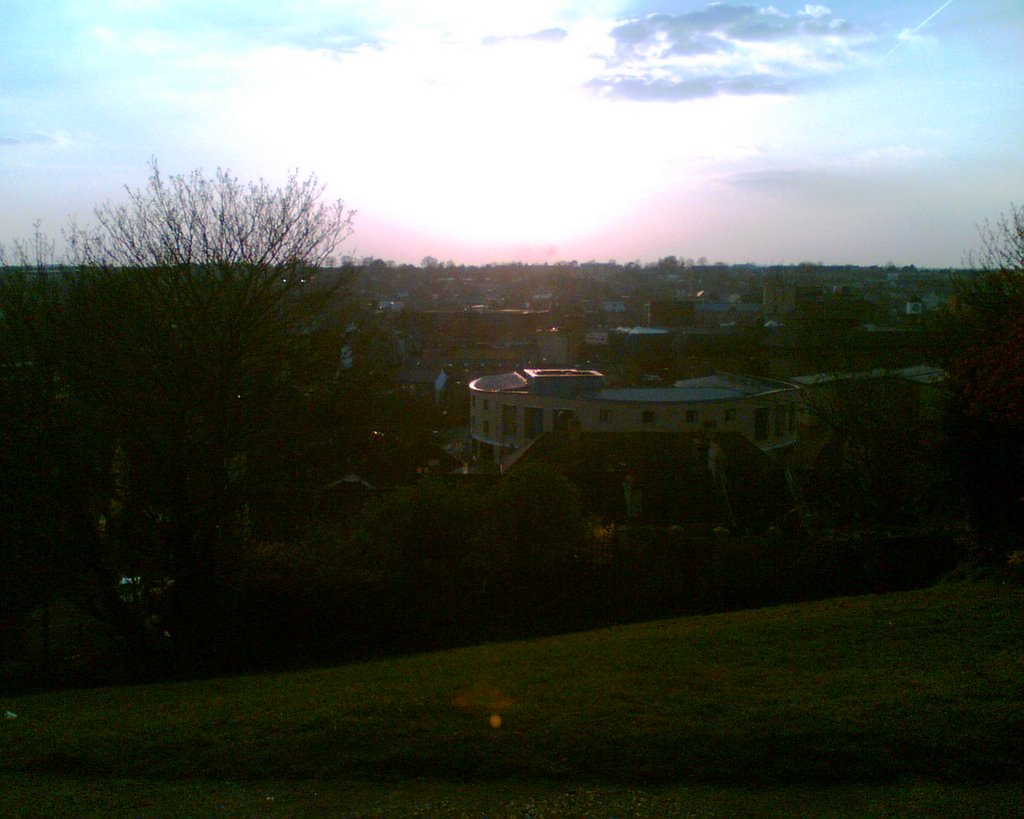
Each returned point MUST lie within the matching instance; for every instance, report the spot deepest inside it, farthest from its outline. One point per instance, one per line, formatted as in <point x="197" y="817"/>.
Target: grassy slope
<point x="916" y="686"/>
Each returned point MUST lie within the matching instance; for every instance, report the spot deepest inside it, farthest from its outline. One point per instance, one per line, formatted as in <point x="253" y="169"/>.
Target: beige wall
<point x="503" y="419"/>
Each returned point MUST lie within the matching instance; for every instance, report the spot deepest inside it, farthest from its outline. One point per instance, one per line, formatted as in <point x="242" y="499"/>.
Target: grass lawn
<point x="910" y="702"/>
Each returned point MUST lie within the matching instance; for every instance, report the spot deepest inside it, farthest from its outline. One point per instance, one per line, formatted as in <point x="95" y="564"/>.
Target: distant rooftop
<point x="567" y="383"/>
<point x="556" y="373"/>
<point x="921" y="374"/>
<point x="740" y="385"/>
<point x="658" y="395"/>
<point x="642" y="331"/>
<point x="504" y="382"/>
<point x="563" y="383"/>
<point x="717" y="387"/>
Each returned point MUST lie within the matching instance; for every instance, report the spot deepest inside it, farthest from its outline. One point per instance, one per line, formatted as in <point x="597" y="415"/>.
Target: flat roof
<point x="666" y="395"/>
<point x="741" y="386"/>
<point x="642" y="331"/>
<point x="503" y="382"/>
<point x="717" y="387"/>
<point x="921" y="374"/>
<point x="560" y="373"/>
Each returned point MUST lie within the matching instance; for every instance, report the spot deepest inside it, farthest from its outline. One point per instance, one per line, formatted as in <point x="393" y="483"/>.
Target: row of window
<point x="784" y="417"/>
<point x="508" y="428"/>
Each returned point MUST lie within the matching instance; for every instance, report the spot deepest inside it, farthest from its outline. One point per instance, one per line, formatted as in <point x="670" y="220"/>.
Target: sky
<point x="858" y="132"/>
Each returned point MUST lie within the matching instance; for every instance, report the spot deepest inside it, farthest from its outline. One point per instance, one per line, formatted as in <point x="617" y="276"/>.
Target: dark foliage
<point x="982" y="344"/>
<point x="192" y="363"/>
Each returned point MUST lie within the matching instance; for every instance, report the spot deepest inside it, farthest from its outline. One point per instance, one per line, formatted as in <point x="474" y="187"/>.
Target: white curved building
<point x="511" y="410"/>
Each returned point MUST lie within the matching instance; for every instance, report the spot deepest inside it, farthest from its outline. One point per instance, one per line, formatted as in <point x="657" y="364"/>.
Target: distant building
<point x="556" y="346"/>
<point x="423" y="381"/>
<point x="511" y="410"/>
<point x="782" y="299"/>
<point x="690" y="312"/>
<point x="671" y="313"/>
<point x="451" y="328"/>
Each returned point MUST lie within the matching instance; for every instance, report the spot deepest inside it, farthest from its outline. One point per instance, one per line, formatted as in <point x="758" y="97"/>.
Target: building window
<point x="780" y="420"/>
<point x="792" y="417"/>
<point x="691" y="416"/>
<point x="648" y="417"/>
<point x="485" y="405"/>
<point x="564" y="420"/>
<point x="730" y="415"/>
<point x="508" y="419"/>
<point x="761" y="424"/>
<point x="534" y="422"/>
<point x="604" y="416"/>
<point x="487" y="428"/>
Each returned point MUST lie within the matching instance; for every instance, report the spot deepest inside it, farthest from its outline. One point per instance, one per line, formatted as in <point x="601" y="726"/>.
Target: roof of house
<point x="717" y="387"/>
<point x="502" y="382"/>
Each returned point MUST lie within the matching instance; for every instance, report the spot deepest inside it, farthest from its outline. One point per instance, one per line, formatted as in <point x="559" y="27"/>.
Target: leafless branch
<point x="186" y="221"/>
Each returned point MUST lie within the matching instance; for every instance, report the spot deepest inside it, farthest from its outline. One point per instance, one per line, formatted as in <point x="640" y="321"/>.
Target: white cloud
<point x="729" y="49"/>
<point x="18" y="140"/>
<point x="815" y="11"/>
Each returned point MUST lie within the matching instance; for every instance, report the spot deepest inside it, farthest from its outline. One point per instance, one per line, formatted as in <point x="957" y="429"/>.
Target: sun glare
<point x="480" y="142"/>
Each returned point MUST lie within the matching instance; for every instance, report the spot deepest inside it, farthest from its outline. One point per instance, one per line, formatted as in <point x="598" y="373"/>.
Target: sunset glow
<point x="540" y="131"/>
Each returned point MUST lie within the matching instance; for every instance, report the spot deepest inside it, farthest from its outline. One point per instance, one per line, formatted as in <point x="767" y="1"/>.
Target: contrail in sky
<point x="920" y="26"/>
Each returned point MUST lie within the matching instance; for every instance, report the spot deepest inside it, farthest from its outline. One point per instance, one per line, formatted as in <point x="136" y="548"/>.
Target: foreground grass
<point x="871" y="691"/>
<point x="30" y="795"/>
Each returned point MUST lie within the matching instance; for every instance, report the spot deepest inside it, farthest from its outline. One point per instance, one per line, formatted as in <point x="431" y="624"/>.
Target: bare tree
<point x="193" y="220"/>
<point x="37" y="253"/>
<point x="198" y="346"/>
<point x="1002" y="243"/>
<point x="983" y="336"/>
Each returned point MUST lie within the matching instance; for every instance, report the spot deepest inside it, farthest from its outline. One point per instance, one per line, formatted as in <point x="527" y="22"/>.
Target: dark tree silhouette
<point x="197" y="362"/>
<point x="982" y="339"/>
